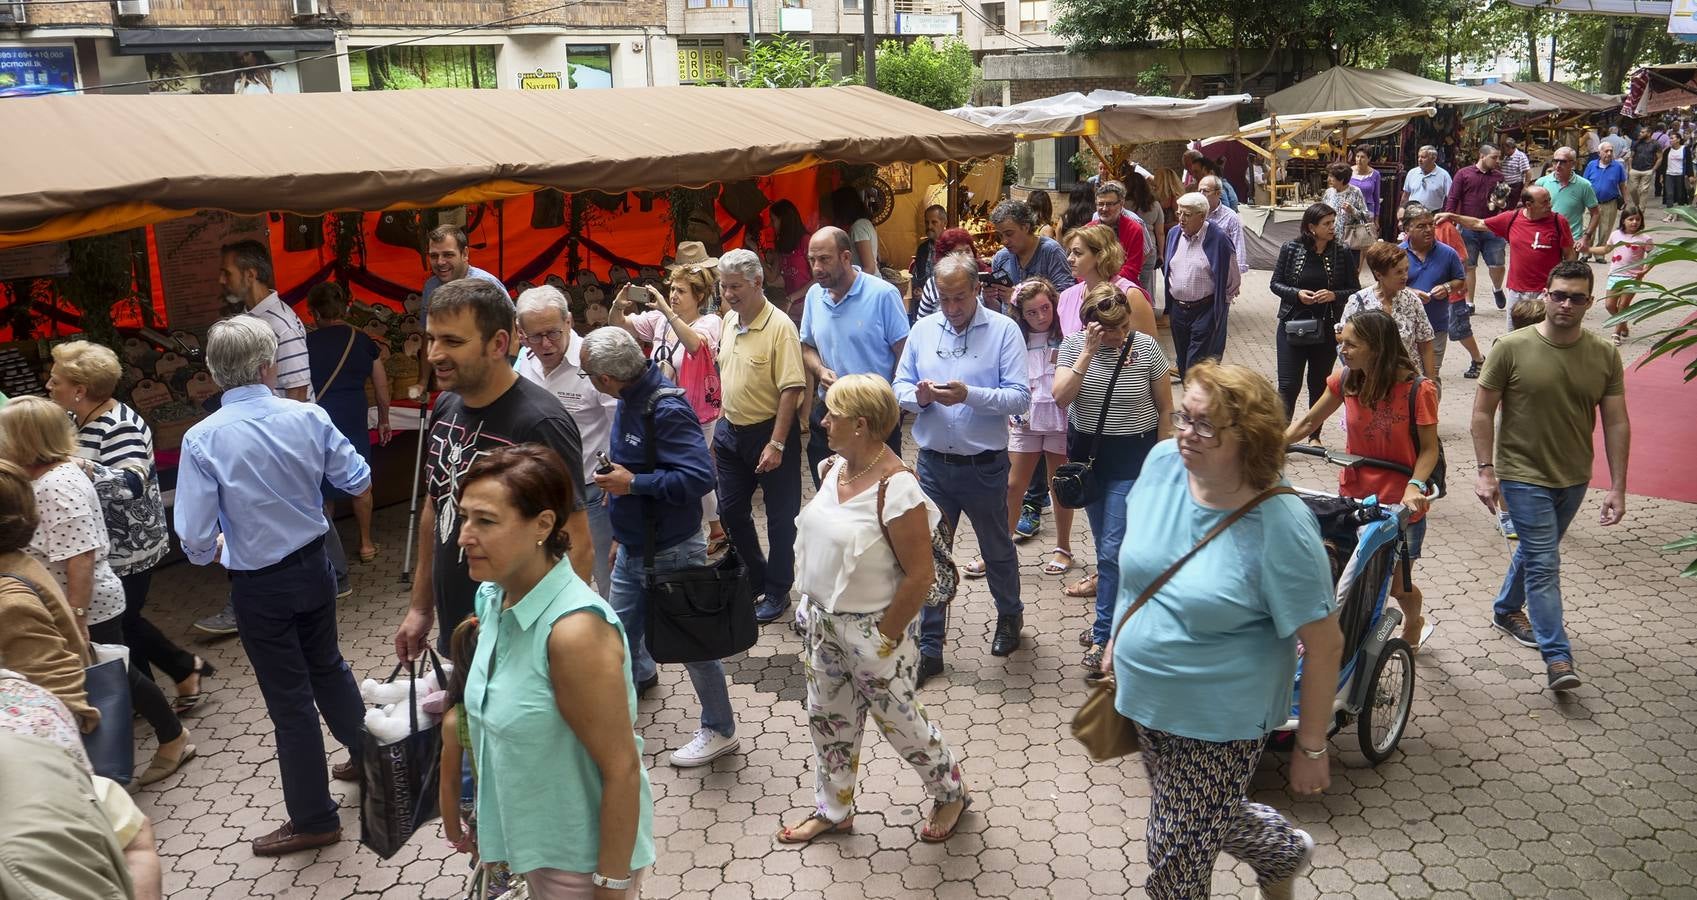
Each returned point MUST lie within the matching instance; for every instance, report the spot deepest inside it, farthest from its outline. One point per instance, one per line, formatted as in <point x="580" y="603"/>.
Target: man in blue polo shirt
<point x="1607" y="175"/>
<point x="1436" y="274"/>
<point x="851" y="323"/>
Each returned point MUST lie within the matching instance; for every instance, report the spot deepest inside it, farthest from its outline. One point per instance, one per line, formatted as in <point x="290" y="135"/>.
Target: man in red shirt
<point x="1111" y="211"/>
<point x="1538" y="239"/>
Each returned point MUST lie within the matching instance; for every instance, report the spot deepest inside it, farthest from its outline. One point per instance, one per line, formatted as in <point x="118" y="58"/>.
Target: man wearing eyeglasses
<point x="1571" y="195"/>
<point x="1550" y="380"/>
<point x="555" y="363"/>
<point x="1426" y="184"/>
<point x="1538" y="238"/>
<point x="963" y="374"/>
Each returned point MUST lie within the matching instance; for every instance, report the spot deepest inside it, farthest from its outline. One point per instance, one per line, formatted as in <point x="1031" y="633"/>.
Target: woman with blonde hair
<point x="1205" y="667"/>
<point x="119" y="443"/>
<point x="1095" y="255"/>
<point x="72" y="545"/>
<point x="684" y="337"/>
<point x="863" y="569"/>
<point x="1113" y="380"/>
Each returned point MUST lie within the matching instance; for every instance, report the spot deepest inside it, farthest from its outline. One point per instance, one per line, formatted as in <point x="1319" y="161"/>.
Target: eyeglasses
<point x="1569" y="298"/>
<point x="1202" y="427"/>
<point x="956" y="353"/>
<point x="552" y="336"/>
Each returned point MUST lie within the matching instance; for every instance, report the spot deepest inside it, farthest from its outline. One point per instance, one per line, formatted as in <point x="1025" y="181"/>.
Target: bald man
<point x="1538" y="238"/>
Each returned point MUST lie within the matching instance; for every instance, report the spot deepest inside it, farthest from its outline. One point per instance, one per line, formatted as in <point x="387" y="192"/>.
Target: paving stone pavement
<point x="1500" y="789"/>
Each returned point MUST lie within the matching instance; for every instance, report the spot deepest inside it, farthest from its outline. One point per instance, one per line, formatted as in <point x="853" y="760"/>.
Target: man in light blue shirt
<point x="1426" y="184"/>
<point x="248" y="494"/>
<point x="963" y="374"/>
<point x="852" y="323"/>
<point x="450" y="260"/>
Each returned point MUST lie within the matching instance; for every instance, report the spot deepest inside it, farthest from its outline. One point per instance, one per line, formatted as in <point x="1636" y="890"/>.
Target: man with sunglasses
<point x="1572" y="195"/>
<point x="963" y="374"/>
<point x="1550" y="381"/>
<point x="1538" y="238"/>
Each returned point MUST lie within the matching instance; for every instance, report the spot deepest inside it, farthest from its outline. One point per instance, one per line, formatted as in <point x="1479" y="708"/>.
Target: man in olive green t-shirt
<point x="1550" y="380"/>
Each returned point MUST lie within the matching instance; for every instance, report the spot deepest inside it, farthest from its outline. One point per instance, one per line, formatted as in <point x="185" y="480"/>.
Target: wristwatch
<point x="617" y="884"/>
<point x="778" y="444"/>
<point x="1312" y="754"/>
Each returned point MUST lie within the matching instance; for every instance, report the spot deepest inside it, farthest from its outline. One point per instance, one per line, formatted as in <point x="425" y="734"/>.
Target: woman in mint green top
<point x="562" y="794"/>
<point x="1204" y="669"/>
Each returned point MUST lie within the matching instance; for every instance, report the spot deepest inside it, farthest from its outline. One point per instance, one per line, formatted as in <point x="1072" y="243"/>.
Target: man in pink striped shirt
<point x="1202" y="277"/>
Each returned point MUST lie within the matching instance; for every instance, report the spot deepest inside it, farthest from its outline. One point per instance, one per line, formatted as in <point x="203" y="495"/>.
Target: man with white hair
<point x="1225" y="218"/>
<point x="758" y="445"/>
<point x="1202" y="276"/>
<point x="1426" y="184"/>
<point x="248" y="494"/>
<point x="555" y="363"/>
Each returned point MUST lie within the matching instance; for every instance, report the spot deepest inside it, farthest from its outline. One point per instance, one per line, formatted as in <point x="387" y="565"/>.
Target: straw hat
<point x="694" y="253"/>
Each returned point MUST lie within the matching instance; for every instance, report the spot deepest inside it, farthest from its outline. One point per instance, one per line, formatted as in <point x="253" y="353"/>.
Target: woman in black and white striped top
<point x="1137" y="419"/>
<point x="118" y="445"/>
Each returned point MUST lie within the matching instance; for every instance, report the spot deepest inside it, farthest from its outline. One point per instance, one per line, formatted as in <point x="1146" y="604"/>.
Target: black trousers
<point x="1315" y="362"/>
<point x="736" y="452"/>
<point x="148" y="646"/>
<point x="819" y="448"/>
<point x="145" y="696"/>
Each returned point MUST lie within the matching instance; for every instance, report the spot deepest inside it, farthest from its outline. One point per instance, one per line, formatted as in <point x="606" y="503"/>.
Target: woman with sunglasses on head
<point x="1373" y="390"/>
<point x="1115" y="433"/>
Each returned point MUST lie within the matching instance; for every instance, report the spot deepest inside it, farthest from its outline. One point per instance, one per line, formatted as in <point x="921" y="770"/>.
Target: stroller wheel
<point x="1384" y="717"/>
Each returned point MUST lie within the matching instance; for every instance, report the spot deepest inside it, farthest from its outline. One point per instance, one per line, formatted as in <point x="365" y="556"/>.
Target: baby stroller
<point x="1376" y="678"/>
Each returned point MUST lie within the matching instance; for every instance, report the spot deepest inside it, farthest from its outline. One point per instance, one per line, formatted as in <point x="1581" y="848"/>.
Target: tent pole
<point x="1091" y="143"/>
<point x="501" y="236"/>
<point x="952" y="181"/>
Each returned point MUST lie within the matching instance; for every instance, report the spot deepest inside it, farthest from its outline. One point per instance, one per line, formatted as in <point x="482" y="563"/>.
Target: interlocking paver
<point x="1499" y="789"/>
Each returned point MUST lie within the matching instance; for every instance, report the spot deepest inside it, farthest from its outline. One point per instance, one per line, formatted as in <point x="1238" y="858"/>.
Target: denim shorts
<point x="1416" y="536"/>
<point x="1461" y="321"/>
<point x="1486" y="242"/>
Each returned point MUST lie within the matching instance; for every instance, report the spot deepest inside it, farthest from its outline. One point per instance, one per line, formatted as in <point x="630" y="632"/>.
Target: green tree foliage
<point x="782" y="62"/>
<point x="938" y="77"/>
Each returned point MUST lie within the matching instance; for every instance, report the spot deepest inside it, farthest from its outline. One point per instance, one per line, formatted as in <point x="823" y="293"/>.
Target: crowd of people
<point x="565" y="470"/>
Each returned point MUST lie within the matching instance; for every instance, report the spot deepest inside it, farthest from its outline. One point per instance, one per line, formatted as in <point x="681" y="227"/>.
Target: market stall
<point x="1556" y="116"/>
<point x="1659" y="89"/>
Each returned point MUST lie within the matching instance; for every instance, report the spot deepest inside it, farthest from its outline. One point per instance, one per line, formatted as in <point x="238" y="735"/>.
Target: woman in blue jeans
<point x="1109" y="355"/>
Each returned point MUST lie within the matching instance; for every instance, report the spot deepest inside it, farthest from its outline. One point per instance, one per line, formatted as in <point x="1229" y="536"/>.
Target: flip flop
<point x="365" y="557"/>
<point x="1053" y="567"/>
<point x="974" y="569"/>
<point x="1076" y="589"/>
<point x="846" y="826"/>
<point x="930" y="837"/>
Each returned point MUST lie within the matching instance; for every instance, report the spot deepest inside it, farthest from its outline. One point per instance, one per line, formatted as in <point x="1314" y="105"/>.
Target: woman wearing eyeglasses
<point x="1110" y="354"/>
<point x="685" y="339"/>
<point x="343" y="358"/>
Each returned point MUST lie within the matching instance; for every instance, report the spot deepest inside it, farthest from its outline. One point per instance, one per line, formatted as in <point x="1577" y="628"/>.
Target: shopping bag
<point x="398" y="781"/>
<point x="111" y="745"/>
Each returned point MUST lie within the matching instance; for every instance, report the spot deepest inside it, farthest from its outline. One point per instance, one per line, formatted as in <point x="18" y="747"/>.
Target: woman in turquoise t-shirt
<point x="562" y="795"/>
<point x="1205" y="668"/>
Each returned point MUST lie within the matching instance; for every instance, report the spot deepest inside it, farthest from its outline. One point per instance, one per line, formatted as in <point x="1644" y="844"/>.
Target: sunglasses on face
<point x="1568" y="298"/>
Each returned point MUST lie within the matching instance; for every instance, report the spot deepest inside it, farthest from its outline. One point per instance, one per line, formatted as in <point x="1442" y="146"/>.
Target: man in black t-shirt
<point x="1641" y="174"/>
<point x="485" y="405"/>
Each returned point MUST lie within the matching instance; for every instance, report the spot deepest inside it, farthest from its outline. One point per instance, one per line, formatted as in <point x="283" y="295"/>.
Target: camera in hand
<point x="986" y="279"/>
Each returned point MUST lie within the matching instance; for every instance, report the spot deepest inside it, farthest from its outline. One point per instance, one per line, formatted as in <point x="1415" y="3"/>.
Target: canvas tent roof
<point x="1345" y="88"/>
<point x="1115" y="116"/>
<point x="96" y="164"/>
<point x="1532" y="106"/>
<point x="1370" y="122"/>
<point x="1562" y="97"/>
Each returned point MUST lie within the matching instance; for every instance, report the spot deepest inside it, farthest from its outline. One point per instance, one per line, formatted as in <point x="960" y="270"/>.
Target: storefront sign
<point x="699" y="64"/>
<point x="540" y="81"/>
<point x="915" y="23"/>
<point x="37" y="70"/>
<point x="795" y="20"/>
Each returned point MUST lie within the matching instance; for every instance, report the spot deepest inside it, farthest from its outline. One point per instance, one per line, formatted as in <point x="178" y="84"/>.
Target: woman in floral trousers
<point x="863" y="566"/>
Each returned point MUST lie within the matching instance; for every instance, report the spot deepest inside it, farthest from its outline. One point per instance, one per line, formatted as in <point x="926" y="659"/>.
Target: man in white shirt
<point x="1426" y="184"/>
<point x="555" y="363"/>
<point x="1223" y="218"/>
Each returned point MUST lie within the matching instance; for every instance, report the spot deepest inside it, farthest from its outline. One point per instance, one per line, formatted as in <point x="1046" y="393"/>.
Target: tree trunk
<point x="1532" y="44"/>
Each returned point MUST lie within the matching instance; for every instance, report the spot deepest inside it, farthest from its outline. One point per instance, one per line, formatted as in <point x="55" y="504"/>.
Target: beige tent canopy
<point x="1562" y="97"/>
<point x="1115" y="116"/>
<point x="1533" y="106"/>
<point x="1270" y="135"/>
<point x="1346" y="88"/>
<point x="85" y="165"/>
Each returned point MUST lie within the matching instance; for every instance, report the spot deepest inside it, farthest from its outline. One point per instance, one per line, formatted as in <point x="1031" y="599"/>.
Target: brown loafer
<point x="286" y="840"/>
<point x="348" y="770"/>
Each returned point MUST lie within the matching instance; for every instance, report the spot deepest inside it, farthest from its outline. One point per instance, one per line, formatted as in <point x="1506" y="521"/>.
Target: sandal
<point x="365" y="557"/>
<point x="1055" y="566"/>
<point x="1083" y="587"/>
<point x="184" y="702"/>
<point x="934" y="837"/>
<point x="974" y="569"/>
<point x="787" y="836"/>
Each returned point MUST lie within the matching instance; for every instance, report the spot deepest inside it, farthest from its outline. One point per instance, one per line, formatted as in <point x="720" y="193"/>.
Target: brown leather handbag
<point x="1098" y="725"/>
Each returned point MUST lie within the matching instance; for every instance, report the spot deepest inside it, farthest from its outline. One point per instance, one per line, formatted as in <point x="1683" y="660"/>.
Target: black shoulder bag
<point x="1075" y="484"/>
<point x="1436" y="480"/>
<point x="697" y="613"/>
<point x="1313" y="329"/>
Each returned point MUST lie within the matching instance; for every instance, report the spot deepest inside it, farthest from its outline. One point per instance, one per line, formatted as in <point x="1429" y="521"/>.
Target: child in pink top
<point x="1626" y="248"/>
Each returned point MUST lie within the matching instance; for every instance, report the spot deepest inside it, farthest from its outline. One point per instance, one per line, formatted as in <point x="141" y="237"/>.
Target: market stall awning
<point x="96" y="164"/>
<point x="141" y="41"/>
<point x="1360" y="123"/>
<point x="1655" y="89"/>
<point x="1345" y="88"/>
<point x="1114" y="116"/>
<point x="1533" y="106"/>
<point x="1561" y="96"/>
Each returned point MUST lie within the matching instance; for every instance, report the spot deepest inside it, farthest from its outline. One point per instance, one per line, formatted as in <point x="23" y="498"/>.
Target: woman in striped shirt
<point x="118" y="446"/>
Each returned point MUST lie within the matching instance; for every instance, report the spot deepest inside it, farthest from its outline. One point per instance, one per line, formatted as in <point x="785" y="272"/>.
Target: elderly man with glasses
<point x="1571" y="195"/>
<point x="554" y="361"/>
<point x="963" y="374"/>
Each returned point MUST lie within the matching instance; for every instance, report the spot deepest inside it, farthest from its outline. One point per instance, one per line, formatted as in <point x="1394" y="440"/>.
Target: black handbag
<point x="1075" y="484"/>
<point x="1304" y="332"/>
<point x="1437" y="481"/>
<point x="1314" y="330"/>
<point x="398" y="781"/>
<point x="697" y="613"/>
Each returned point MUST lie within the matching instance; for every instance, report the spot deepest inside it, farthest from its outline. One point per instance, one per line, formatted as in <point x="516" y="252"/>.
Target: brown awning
<point x="82" y="165"/>
<point x="1563" y="97"/>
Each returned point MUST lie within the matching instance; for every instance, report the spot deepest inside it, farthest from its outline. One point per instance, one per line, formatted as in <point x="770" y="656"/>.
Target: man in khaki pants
<point x="1641" y="179"/>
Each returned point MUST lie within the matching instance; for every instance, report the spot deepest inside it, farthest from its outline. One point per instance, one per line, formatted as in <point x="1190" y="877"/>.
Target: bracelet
<point x="617" y="884"/>
<point x="1312" y="754"/>
<point x="1483" y="466"/>
<point x="778" y="444"/>
<point x="1418" y="484"/>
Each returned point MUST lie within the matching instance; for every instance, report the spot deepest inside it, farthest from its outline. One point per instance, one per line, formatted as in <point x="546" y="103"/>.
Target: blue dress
<point x="343" y="399"/>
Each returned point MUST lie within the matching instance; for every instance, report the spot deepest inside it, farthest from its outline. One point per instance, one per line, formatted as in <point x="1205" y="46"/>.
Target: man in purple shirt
<point x="1472" y="194"/>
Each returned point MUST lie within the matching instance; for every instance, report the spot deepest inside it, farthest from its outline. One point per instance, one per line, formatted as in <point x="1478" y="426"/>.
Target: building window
<point x="701" y="62"/>
<point x="717" y="4"/>
<point x="995" y="16"/>
<point x="1033" y="15"/>
<point x="851" y="6"/>
<point x="589" y="66"/>
<point x="415" y="66"/>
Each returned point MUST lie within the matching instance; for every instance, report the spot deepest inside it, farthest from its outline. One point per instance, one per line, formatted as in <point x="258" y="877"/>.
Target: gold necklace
<point x="881" y="451"/>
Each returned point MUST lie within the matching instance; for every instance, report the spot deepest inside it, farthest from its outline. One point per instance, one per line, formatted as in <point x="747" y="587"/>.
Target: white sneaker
<point x="707" y="746"/>
<point x="1286" y="889"/>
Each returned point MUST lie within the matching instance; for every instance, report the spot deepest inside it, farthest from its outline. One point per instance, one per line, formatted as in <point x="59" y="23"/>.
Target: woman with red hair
<point x="952" y="240"/>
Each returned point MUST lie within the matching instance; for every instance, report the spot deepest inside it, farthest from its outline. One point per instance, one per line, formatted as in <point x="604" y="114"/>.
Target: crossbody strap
<point x="318" y="394"/>
<point x="1102" y="419"/>
<point x="1161" y="580"/>
<point x="649" y="518"/>
<point x="883" y="485"/>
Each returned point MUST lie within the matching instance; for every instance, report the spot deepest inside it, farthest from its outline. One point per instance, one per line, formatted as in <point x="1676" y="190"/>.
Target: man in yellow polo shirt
<point x="759" y="442"/>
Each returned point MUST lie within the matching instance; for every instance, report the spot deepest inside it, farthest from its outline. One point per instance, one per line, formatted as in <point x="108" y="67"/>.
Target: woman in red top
<point x="1373" y="391"/>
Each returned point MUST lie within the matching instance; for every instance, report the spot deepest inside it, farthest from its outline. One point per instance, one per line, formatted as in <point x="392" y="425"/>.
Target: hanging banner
<point x="37" y="70"/>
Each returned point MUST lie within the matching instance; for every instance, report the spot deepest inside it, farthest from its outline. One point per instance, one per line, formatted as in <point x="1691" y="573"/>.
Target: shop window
<point x="589" y="65"/>
<point x="1033" y="15"/>
<point x="413" y="66"/>
<point x="701" y="62"/>
<point x="852" y="6"/>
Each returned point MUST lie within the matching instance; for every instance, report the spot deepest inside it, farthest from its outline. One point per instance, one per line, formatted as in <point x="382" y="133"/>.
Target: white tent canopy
<point x="1360" y="123"/>
<point x="1533" y="105"/>
<point x="1345" y="88"/>
<point x="1115" y="116"/>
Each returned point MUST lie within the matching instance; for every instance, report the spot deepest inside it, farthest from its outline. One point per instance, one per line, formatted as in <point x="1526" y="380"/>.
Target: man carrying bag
<point x="657" y="473"/>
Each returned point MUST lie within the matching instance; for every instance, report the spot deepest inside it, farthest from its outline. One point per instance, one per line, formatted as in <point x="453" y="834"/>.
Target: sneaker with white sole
<point x="707" y="746"/>
<point x="1286" y="889"/>
<point x="220" y="624"/>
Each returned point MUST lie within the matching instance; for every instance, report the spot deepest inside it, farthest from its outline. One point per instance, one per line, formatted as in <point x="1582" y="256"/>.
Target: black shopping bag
<point x="111" y="745"/>
<point x="398" y="781"/>
<point x="700" y="613"/>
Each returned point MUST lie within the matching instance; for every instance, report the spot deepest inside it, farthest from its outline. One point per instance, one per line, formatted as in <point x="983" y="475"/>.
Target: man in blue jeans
<point x="963" y="373"/>
<point x="658" y="502"/>
<point x="1550" y="381"/>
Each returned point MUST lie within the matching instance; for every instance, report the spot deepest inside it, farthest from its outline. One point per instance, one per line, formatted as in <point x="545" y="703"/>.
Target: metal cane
<point x="426" y="414"/>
